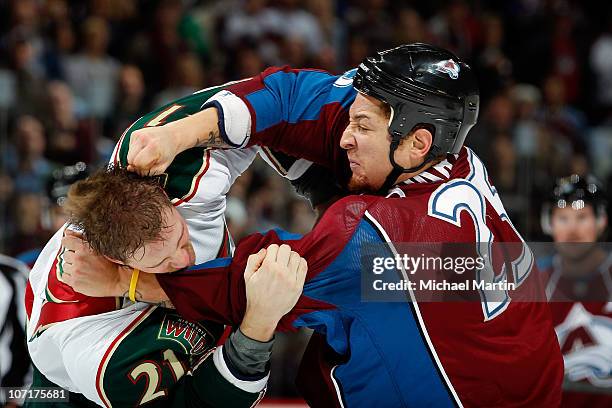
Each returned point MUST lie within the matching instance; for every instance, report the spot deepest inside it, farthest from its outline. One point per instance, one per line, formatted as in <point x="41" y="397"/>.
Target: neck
<point x="406" y="176"/>
<point x="583" y="265"/>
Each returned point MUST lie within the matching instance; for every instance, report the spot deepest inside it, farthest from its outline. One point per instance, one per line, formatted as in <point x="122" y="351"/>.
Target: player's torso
<point x="584" y="332"/>
<point x="479" y="333"/>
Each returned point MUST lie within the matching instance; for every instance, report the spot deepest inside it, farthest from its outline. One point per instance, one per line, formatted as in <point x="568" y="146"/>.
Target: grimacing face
<point x="367" y="141"/>
<point x="172" y="252"/>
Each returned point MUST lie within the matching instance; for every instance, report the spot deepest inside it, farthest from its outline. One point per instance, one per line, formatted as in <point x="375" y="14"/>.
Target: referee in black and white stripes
<point x="14" y="358"/>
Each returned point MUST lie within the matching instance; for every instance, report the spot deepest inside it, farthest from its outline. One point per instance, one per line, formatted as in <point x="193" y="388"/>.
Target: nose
<point x="347" y="141"/>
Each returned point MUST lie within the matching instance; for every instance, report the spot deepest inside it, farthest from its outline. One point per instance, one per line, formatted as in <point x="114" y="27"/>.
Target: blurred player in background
<point x="579" y="286"/>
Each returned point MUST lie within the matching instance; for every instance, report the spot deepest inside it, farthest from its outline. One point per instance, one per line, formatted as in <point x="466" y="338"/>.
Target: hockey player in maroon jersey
<point x="398" y="122"/>
<point x="579" y="285"/>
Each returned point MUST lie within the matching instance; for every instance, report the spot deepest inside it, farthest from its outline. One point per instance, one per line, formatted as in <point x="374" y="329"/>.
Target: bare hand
<point x="274" y="280"/>
<point x="152" y="150"/>
<point x="87" y="272"/>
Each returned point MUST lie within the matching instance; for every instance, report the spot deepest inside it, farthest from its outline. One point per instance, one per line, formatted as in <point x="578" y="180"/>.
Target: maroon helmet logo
<point x="449" y="67"/>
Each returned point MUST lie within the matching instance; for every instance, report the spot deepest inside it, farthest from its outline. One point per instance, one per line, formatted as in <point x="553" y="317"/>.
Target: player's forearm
<point x="198" y="130"/>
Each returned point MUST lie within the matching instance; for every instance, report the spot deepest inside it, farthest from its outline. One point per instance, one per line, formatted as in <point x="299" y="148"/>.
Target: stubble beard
<point x="361" y="184"/>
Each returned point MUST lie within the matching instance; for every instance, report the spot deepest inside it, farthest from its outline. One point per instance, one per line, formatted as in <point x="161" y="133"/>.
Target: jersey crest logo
<point x="449" y="67"/>
<point x="584" y="338"/>
<point x="193" y="337"/>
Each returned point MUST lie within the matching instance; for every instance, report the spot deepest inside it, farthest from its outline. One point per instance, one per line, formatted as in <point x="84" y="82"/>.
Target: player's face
<point x="366" y="141"/>
<point x="171" y="253"/>
<point x="574" y="225"/>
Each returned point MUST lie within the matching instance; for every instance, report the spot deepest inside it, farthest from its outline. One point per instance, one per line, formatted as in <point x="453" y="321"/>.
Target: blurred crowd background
<point x="75" y="74"/>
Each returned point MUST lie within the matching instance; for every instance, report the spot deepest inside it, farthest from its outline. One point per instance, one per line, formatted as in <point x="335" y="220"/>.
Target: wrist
<point x="257" y="328"/>
<point x="180" y="135"/>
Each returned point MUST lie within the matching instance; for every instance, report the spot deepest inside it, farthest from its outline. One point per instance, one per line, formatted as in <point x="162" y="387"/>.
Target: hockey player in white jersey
<point x="114" y="352"/>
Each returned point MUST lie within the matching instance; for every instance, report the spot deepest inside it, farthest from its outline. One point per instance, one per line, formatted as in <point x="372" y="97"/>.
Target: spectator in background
<point x="268" y="203"/>
<point x="166" y="44"/>
<point x="59" y="40"/>
<point x="600" y="59"/>
<point x="526" y="99"/>
<point x="371" y="20"/>
<point x="246" y="21"/>
<point x="493" y="67"/>
<point x="357" y="50"/>
<point x="454" y="27"/>
<point x="24" y="76"/>
<point x="25" y="23"/>
<point x="92" y="74"/>
<point x="565" y="54"/>
<point x="27" y="210"/>
<point x="188" y="78"/>
<point x="237" y="218"/>
<point x="248" y="62"/>
<point x="292" y="52"/>
<point x="333" y="30"/>
<point x="60" y="44"/>
<point x="411" y="28"/>
<point x="70" y="139"/>
<point x="28" y="169"/>
<point x="131" y="101"/>
<point x="496" y="118"/>
<point x="563" y="120"/>
<point x="24" y="160"/>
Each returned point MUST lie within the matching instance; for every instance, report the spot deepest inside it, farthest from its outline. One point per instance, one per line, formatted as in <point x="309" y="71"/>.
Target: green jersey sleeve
<point x="188" y="165"/>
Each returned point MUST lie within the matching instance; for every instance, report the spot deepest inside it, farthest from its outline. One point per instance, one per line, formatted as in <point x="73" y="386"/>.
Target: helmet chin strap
<point x="398" y="170"/>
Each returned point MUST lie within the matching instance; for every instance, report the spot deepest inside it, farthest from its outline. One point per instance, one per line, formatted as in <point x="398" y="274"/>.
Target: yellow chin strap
<point x="133" y="283"/>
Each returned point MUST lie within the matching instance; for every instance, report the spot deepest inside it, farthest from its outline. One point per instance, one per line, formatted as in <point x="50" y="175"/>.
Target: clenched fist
<point x="87" y="272"/>
<point x="274" y="280"/>
<point x="152" y="150"/>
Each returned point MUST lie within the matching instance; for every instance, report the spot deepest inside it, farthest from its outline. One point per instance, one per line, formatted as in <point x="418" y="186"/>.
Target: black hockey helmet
<point x="425" y="86"/>
<point x="575" y="192"/>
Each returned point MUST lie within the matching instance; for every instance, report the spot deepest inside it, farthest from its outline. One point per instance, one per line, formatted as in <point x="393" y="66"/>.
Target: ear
<point x="422" y="141"/>
<point x="113" y="260"/>
<point x="413" y="148"/>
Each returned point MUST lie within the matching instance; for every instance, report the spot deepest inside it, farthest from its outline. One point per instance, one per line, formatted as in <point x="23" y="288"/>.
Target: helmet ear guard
<point x="470" y="117"/>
